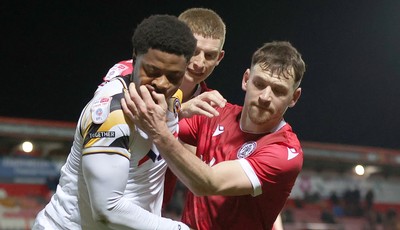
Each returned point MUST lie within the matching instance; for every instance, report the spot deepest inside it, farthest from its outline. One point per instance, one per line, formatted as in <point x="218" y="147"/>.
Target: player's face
<point x="161" y="70"/>
<point x="267" y="98"/>
<point x="208" y="54"/>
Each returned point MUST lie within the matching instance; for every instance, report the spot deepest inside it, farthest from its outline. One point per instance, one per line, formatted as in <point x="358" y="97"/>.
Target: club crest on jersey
<point x="177" y="106"/>
<point x="174" y="103"/>
<point x="100" y="110"/>
<point x="246" y="149"/>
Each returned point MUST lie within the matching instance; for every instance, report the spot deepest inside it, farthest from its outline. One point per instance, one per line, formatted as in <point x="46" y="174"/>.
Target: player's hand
<point x="147" y="110"/>
<point x="204" y="104"/>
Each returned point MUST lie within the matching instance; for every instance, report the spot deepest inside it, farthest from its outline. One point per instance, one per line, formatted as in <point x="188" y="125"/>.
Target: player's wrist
<point x="183" y="113"/>
<point x="163" y="138"/>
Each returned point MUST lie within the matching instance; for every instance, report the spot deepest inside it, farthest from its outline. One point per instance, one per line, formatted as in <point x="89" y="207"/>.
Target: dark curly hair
<point x="166" y="33"/>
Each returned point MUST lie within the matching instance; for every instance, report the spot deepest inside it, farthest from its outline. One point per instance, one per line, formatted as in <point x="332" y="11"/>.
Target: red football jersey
<point x="275" y="160"/>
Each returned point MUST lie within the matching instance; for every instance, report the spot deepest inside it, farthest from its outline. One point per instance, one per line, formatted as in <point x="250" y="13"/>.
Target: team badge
<point x="174" y="103"/>
<point x="246" y="149"/>
<point x="100" y="110"/>
<point x="176" y="106"/>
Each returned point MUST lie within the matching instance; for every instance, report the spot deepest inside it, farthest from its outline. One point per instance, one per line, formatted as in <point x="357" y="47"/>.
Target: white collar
<point x="276" y="128"/>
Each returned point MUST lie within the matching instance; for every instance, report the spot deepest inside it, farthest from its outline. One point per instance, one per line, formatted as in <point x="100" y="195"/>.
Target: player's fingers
<point x="146" y="96"/>
<point x="160" y="100"/>
<point x="133" y="95"/>
<point x="207" y="109"/>
<point x="198" y="107"/>
<point x="214" y="98"/>
<point x="128" y="104"/>
<point x="126" y="110"/>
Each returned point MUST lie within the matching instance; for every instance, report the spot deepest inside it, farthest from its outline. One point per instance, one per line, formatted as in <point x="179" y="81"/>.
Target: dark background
<point x="55" y="53"/>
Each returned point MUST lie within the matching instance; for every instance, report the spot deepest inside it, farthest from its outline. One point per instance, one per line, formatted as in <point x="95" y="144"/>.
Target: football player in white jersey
<point x="114" y="175"/>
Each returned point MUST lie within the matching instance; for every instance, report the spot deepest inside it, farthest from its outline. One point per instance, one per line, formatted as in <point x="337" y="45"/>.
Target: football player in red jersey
<point x="248" y="157"/>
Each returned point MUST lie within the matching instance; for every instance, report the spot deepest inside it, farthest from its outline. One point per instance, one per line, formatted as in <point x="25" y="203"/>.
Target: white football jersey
<point x="103" y="128"/>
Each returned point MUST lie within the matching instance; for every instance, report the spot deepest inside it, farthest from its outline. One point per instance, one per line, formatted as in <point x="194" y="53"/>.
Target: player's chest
<point x="225" y="142"/>
<point x="143" y="151"/>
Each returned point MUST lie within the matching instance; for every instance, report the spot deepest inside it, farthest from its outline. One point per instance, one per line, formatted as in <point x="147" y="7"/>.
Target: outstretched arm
<point x="147" y="112"/>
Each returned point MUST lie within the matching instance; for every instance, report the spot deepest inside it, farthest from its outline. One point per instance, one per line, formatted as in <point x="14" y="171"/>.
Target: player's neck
<point x="248" y="127"/>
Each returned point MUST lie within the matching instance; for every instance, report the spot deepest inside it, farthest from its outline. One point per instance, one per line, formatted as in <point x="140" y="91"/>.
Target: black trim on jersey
<point x="116" y="102"/>
<point x="116" y="98"/>
<point x="118" y="142"/>
<point x="92" y="129"/>
<point x="122" y="142"/>
<point x="127" y="79"/>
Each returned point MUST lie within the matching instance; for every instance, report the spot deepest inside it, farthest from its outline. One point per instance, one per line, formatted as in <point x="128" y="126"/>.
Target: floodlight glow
<point x="27" y="146"/>
<point x="359" y="169"/>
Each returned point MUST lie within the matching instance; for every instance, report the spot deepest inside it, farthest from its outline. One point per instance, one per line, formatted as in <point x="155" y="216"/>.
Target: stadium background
<point x="54" y="54"/>
<point x="328" y="194"/>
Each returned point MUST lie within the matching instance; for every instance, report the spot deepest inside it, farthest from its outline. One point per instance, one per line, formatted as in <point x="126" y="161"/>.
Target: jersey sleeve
<point x="111" y="136"/>
<point x="273" y="165"/>
<point x="103" y="125"/>
<point x="188" y="128"/>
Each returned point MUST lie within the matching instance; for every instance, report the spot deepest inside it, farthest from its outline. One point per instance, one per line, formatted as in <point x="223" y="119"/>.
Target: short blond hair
<point x="205" y="22"/>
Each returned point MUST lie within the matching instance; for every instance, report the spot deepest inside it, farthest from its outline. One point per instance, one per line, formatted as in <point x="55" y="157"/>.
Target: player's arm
<point x="225" y="178"/>
<point x="106" y="177"/>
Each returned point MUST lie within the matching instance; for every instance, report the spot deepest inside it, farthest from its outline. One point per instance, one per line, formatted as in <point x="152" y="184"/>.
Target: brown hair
<point x="280" y="57"/>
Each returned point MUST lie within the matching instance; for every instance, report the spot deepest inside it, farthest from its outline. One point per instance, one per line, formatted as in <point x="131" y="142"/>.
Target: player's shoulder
<point x="107" y="100"/>
<point x="121" y="68"/>
<point x="230" y="109"/>
<point x="282" y="140"/>
<point x="113" y="86"/>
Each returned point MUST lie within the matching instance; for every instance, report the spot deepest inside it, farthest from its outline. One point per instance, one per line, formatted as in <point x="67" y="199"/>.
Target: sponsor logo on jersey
<point x="291" y="153"/>
<point x="246" y="149"/>
<point x="102" y="134"/>
<point x="220" y="129"/>
<point x="100" y="110"/>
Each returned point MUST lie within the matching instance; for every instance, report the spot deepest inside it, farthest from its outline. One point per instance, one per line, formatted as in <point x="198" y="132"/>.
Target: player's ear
<point x="220" y="57"/>
<point x="246" y="76"/>
<point x="296" y="96"/>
